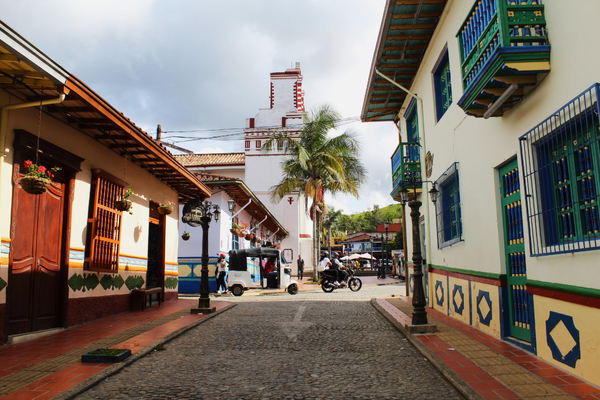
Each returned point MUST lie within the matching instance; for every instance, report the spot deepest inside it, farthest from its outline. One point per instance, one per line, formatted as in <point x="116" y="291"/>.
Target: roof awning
<point x="30" y="75"/>
<point x="237" y="190"/>
<point x="405" y="33"/>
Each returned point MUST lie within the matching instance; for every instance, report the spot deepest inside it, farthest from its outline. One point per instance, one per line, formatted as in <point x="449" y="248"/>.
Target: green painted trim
<point x="587" y="292"/>
<point x="488" y="275"/>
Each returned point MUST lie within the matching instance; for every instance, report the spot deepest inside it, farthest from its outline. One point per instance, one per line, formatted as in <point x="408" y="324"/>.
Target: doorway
<point x="37" y="244"/>
<point x="156" y="248"/>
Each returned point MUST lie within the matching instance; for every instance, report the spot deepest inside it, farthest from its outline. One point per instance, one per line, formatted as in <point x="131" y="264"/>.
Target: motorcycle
<point x="328" y="279"/>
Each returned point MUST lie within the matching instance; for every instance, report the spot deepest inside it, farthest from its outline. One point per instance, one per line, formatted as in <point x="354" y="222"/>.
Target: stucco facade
<point x="69" y="255"/>
<point x="512" y="270"/>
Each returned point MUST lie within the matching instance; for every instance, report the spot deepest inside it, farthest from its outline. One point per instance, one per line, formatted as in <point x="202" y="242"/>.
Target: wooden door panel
<point x="36" y="258"/>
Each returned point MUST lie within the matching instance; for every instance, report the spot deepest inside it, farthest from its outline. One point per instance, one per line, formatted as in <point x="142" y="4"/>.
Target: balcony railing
<point x="406" y="165"/>
<point x="502" y="42"/>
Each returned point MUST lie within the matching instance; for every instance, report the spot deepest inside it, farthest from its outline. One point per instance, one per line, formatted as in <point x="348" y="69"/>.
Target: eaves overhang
<point x="406" y="30"/>
<point x="31" y="76"/>
<point x="241" y="193"/>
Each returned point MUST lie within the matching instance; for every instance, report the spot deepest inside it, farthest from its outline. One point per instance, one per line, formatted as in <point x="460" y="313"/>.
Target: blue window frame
<point x="443" y="85"/>
<point x="448" y="208"/>
<point x="561" y="163"/>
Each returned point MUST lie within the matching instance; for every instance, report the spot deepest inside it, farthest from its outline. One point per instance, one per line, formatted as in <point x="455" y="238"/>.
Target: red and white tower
<point x="264" y="170"/>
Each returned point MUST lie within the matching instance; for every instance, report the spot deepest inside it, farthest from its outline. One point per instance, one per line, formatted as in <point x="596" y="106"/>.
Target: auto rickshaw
<point x="270" y="270"/>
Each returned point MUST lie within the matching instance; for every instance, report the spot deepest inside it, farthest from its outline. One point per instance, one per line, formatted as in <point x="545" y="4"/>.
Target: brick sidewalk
<point x="482" y="366"/>
<point x="51" y="366"/>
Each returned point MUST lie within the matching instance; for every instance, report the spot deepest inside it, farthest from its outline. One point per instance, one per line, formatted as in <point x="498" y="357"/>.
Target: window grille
<point x="104" y="224"/>
<point x="258" y="144"/>
<point x="443" y="86"/>
<point x="448" y="208"/>
<point x="561" y="170"/>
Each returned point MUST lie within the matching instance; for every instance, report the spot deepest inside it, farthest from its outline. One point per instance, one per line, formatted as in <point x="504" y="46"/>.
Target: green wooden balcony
<point x="406" y="166"/>
<point x="504" y="54"/>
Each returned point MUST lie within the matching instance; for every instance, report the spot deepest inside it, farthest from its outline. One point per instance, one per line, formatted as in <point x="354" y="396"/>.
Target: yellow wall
<point x="493" y="292"/>
<point x="585" y="320"/>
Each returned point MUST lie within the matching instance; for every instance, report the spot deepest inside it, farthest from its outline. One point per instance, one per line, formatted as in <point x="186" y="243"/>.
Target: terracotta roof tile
<point x="204" y="177"/>
<point x="215" y="159"/>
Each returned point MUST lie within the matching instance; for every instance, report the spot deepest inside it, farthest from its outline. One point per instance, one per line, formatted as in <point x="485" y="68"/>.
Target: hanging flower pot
<point x="123" y="205"/>
<point x="38" y="178"/>
<point x="185" y="236"/>
<point x="165" y="208"/>
<point x="234" y="231"/>
<point x="248" y="236"/>
<point x="34" y="185"/>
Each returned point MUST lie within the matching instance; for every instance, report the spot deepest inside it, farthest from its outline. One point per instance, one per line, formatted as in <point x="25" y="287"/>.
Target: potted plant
<point x="37" y="179"/>
<point x="125" y="203"/>
<point x="186" y="235"/>
<point x="249" y="236"/>
<point x="106" y="355"/>
<point x="234" y="228"/>
<point x="165" y="208"/>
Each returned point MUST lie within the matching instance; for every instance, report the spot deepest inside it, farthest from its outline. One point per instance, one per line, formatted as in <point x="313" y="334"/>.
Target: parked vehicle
<point x="328" y="279"/>
<point x="275" y="271"/>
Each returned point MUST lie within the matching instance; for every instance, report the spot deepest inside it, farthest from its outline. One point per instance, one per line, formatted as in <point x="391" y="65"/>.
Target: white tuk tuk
<point x="274" y="271"/>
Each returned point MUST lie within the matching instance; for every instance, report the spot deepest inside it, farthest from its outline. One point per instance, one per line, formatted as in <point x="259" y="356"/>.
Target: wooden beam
<point x="518" y="79"/>
<point x="421" y="15"/>
<point x="399" y="48"/>
<point x="22" y="72"/>
<point x="113" y="137"/>
<point x="416" y="2"/>
<point x="408" y="27"/>
<point x="497" y="92"/>
<point x="411" y="37"/>
<point x="68" y="109"/>
<point x="8" y="57"/>
<point x="135" y="153"/>
<point x="124" y="145"/>
<point x="409" y="57"/>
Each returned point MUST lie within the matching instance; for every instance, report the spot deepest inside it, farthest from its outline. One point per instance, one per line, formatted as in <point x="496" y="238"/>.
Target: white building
<point x="512" y="245"/>
<point x="261" y="171"/>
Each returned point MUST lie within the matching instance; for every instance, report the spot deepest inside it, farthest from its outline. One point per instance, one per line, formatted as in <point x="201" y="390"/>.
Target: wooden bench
<point x="145" y="296"/>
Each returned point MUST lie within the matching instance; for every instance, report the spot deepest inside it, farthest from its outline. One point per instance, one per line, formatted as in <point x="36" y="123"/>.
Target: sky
<point x="203" y="66"/>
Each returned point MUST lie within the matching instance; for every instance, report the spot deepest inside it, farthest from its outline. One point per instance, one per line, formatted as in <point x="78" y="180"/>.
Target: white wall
<point x="480" y="146"/>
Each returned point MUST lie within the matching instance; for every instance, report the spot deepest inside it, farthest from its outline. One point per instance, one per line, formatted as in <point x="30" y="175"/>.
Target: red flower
<point x="51" y="175"/>
<point x="28" y="164"/>
<point x="42" y="169"/>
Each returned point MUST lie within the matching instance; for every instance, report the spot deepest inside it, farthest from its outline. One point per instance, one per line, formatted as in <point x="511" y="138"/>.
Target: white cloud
<point x="188" y="64"/>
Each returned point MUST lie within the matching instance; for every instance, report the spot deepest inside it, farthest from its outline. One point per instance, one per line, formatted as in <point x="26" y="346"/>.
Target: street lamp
<point x="200" y="214"/>
<point x="419" y="316"/>
<point x="386" y="225"/>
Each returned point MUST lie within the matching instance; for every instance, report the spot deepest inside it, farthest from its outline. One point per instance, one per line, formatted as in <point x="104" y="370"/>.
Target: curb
<point x="455" y="380"/>
<point x="113" y="369"/>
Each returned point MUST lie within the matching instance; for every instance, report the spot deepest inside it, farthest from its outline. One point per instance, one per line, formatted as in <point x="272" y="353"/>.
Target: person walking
<point x="300" y="267"/>
<point x="221" y="272"/>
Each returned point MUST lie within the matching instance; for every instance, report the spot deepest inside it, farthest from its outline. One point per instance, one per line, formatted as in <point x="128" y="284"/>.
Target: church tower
<point x="264" y="170"/>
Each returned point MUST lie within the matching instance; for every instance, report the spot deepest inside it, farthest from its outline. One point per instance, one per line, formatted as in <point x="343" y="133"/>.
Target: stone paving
<point x="284" y="350"/>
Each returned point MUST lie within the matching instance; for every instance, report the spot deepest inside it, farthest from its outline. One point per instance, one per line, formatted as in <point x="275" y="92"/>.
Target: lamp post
<point x="386" y="225"/>
<point x="419" y="316"/>
<point x="203" y="213"/>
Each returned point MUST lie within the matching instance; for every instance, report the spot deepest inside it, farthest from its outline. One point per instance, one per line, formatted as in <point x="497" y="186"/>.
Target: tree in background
<point x="317" y="164"/>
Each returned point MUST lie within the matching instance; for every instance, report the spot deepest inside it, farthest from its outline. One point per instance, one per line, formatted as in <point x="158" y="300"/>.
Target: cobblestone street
<point x="300" y="349"/>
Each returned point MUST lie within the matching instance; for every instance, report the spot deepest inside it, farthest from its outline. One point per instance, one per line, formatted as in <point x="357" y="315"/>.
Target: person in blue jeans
<point x="221" y="273"/>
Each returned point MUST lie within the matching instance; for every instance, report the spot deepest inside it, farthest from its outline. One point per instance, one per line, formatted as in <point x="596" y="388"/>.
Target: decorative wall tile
<point x="439" y="293"/>
<point x="484" y="307"/>
<point x="458" y="299"/>
<point x="171" y="283"/>
<point x="563" y="338"/>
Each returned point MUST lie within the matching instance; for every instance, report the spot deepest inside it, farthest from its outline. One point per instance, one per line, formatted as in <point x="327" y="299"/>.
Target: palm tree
<point x="318" y="164"/>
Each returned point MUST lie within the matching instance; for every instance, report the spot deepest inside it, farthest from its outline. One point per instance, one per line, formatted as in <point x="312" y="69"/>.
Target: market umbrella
<point x="367" y="255"/>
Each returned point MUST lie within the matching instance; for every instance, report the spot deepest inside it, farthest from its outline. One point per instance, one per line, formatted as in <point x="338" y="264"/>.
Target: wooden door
<point x="36" y="251"/>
